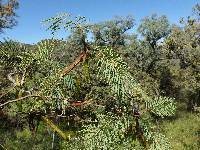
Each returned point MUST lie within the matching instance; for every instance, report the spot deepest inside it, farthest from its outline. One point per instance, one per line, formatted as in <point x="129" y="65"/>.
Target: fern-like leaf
<point x="162" y="106"/>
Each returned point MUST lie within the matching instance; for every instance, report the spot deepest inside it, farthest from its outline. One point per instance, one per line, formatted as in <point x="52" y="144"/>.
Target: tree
<point x="112" y="32"/>
<point x="154" y="28"/>
<point x="196" y="10"/>
<point x="183" y="45"/>
<point x="58" y="92"/>
<point x="8" y="14"/>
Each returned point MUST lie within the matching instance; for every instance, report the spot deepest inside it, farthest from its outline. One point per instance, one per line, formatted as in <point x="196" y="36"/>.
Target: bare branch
<point x="79" y="59"/>
<point x="9" y="90"/>
<point x="21" y="98"/>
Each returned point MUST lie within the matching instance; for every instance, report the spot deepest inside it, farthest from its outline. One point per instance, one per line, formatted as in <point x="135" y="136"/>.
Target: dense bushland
<point x="109" y="91"/>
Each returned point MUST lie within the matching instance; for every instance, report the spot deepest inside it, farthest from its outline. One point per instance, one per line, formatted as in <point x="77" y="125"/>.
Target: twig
<point x="3" y="94"/>
<point x="82" y="57"/>
<point x="3" y="146"/>
<point x="21" y="98"/>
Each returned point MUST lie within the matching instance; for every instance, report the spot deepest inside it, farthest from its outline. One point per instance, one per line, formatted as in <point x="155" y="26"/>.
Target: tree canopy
<point x="8" y="13"/>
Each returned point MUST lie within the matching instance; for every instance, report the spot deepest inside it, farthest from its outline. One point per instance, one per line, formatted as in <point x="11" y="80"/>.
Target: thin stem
<point x="21" y="98"/>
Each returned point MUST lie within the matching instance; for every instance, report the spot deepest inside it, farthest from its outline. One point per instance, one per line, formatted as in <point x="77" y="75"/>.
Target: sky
<point x="32" y="12"/>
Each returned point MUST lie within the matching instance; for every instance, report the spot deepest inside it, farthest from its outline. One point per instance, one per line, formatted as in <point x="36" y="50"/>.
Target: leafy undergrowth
<point x="23" y="139"/>
<point x="184" y="131"/>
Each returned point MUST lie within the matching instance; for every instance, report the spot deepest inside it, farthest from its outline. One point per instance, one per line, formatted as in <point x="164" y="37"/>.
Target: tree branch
<point x="5" y="93"/>
<point x="21" y="98"/>
<point x="79" y="59"/>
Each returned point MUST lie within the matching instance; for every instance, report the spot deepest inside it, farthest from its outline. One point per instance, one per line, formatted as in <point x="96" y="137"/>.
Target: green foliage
<point x="14" y="54"/>
<point x="108" y="133"/>
<point x="94" y="103"/>
<point x="113" y="32"/>
<point x="25" y="139"/>
<point x="162" y="106"/>
<point x="154" y="28"/>
<point x="64" y="20"/>
<point x="159" y="143"/>
<point x="113" y="69"/>
<point x="183" y="131"/>
<point x="8" y="14"/>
